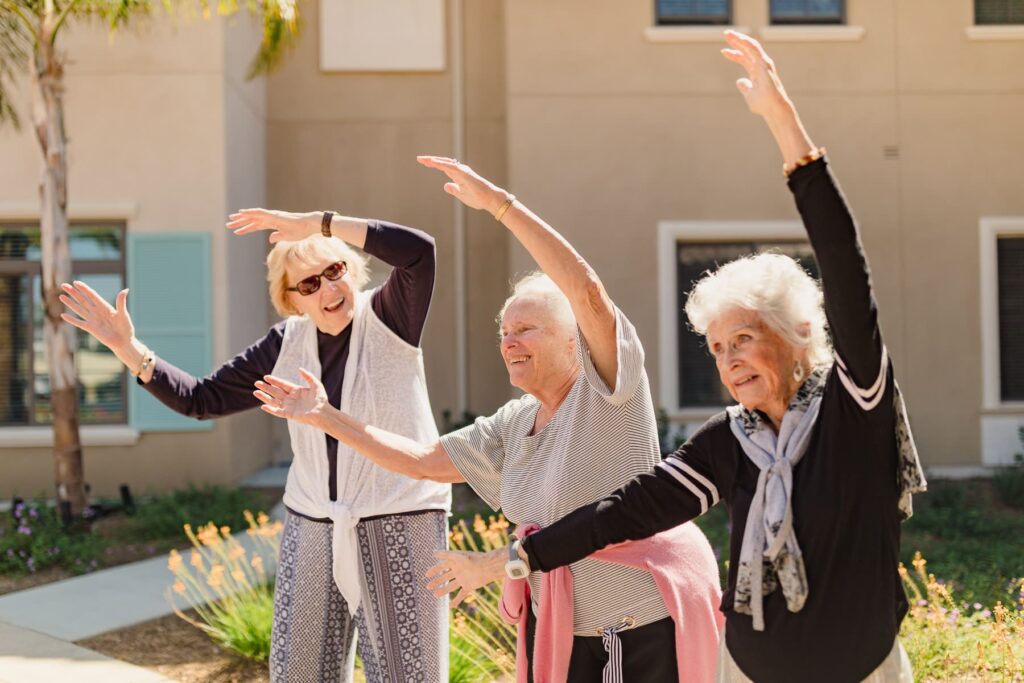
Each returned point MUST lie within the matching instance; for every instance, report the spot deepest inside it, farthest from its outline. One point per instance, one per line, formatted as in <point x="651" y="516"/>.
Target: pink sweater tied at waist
<point x="683" y="567"/>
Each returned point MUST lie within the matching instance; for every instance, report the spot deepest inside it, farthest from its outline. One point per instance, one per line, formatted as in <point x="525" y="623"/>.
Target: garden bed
<point x="35" y="549"/>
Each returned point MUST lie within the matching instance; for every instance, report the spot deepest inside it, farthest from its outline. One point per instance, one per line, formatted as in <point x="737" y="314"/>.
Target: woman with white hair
<point x="584" y="427"/>
<point x="815" y="463"/>
<point x="357" y="536"/>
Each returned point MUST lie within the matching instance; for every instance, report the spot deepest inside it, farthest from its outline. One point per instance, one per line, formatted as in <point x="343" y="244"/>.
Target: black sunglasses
<point x="311" y="284"/>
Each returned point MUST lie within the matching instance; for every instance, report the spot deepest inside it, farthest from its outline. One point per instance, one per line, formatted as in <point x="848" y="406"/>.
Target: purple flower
<point x="24" y="530"/>
<point x="33" y="513"/>
<point x="977" y="605"/>
<point x="31" y="564"/>
<point x="987" y="614"/>
<point x="10" y="552"/>
<point x="17" y="509"/>
<point x="922" y="603"/>
<point x="93" y="564"/>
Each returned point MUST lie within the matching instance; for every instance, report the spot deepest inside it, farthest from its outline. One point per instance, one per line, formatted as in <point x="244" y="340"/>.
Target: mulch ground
<point x="175" y="649"/>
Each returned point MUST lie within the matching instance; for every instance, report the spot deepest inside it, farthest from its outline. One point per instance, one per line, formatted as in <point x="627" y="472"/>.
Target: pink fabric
<point x="684" y="569"/>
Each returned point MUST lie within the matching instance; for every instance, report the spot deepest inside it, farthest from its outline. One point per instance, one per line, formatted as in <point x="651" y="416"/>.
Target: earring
<point x="798" y="372"/>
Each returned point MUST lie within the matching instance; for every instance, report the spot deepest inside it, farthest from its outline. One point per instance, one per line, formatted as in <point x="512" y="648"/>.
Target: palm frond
<point x="13" y="58"/>
<point x="280" y="27"/>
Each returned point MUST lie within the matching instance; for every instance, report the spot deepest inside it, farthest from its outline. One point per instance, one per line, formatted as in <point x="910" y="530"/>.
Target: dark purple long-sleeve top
<point x="401" y="303"/>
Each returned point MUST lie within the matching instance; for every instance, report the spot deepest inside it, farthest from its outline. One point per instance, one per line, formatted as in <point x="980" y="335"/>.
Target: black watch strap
<point x="325" y="223"/>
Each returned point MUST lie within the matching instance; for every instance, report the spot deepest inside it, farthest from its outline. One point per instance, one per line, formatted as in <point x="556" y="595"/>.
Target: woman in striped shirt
<point x="584" y="427"/>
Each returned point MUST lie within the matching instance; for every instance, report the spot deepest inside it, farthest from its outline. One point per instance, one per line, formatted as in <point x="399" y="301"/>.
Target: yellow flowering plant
<point x="227" y="586"/>
<point x="951" y="640"/>
<point x="483" y="645"/>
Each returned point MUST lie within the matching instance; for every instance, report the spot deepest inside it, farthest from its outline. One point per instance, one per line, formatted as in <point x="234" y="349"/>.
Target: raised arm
<point x="849" y="300"/>
<point x="593" y="308"/>
<point x="226" y="391"/>
<point x="308" y="404"/>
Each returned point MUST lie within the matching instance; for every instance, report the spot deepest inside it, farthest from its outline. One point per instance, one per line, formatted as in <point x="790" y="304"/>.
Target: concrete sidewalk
<point x="30" y="657"/>
<point x="37" y="624"/>
<point x="107" y="600"/>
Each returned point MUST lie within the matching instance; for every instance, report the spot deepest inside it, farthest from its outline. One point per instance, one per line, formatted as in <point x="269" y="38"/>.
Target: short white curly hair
<point x="539" y="287"/>
<point x="775" y="287"/>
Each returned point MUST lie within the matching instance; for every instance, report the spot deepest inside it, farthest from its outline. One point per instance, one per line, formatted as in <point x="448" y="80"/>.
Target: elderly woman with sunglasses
<point x="815" y="462"/>
<point x="357" y="536"/>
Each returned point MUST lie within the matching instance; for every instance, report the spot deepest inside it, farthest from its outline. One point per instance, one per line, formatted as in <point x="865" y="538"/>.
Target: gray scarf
<point x="770" y="554"/>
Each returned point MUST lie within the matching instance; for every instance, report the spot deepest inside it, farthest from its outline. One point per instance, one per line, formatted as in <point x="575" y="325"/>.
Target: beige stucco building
<point x="625" y="133"/>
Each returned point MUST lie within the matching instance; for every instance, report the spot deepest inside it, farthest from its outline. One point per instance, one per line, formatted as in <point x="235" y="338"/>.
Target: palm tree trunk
<point x="47" y="85"/>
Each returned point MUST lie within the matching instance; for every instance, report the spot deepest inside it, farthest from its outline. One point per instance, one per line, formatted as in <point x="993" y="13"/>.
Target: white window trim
<point x="669" y="234"/>
<point x="77" y="211"/>
<point x="990" y="230"/>
<point x="811" y="33"/>
<point x="690" y="34"/>
<point x="995" y="32"/>
<point x="90" y="435"/>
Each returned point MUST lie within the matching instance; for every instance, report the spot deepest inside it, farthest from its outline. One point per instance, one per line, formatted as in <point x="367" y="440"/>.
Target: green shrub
<point x="163" y="516"/>
<point x="32" y="537"/>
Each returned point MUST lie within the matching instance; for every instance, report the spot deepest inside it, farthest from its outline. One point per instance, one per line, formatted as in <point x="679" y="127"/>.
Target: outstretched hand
<point x="464" y="572"/>
<point x="284" y="225"/>
<point x="762" y="89"/>
<point x="467" y="185"/>
<point x="110" y="325"/>
<point x="296" y="402"/>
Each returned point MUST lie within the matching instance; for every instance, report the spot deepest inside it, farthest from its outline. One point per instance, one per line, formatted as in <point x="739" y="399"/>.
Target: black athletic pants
<point x="648" y="654"/>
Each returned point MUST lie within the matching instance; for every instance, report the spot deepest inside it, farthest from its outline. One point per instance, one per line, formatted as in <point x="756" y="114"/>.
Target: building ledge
<point x="1010" y="32"/>
<point x="809" y="33"/>
<point x="91" y="435"/>
<point x="690" y="34"/>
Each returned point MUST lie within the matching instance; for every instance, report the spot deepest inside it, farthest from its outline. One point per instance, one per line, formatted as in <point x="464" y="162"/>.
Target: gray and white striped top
<point x="596" y="442"/>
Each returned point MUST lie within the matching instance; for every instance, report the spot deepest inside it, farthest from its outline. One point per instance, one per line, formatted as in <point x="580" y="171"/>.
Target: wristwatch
<point x="516" y="568"/>
<point x="325" y="223"/>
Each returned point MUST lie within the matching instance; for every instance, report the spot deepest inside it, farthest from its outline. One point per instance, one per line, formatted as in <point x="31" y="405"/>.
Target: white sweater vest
<point x="384" y="386"/>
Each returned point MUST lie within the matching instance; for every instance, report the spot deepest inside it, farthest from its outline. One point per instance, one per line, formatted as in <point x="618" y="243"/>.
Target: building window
<point x="97" y="253"/>
<point x="998" y="12"/>
<point x="1010" y="287"/>
<point x="699" y="386"/>
<point x="807" y="12"/>
<point x="682" y="12"/>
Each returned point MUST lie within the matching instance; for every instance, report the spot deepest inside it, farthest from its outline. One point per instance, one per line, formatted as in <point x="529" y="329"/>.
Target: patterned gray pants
<point x="403" y="629"/>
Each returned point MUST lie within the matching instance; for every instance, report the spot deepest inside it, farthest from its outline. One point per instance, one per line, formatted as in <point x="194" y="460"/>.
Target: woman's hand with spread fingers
<point x="302" y="403"/>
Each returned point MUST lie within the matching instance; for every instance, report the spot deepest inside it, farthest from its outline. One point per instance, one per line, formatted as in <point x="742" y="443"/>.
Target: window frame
<point x="991" y="229"/>
<point x="808" y="20"/>
<point x="694" y="20"/>
<point x="670" y="234"/>
<point x="32" y="269"/>
<point x="990" y="24"/>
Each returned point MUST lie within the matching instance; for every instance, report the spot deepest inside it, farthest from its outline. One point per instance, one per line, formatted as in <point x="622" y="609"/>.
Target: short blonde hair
<point x="774" y="286"/>
<point x="539" y="287"/>
<point x="311" y="251"/>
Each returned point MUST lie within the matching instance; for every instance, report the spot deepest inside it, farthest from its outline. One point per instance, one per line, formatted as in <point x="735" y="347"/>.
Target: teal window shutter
<point x="169" y="278"/>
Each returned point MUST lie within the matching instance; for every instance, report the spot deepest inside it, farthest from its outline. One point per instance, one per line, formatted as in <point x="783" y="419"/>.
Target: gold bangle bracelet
<point x="500" y="213"/>
<point x="808" y="158"/>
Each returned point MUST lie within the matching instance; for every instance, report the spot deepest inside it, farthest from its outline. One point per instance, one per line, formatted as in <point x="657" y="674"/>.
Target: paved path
<point x="30" y="657"/>
<point x="37" y="624"/>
